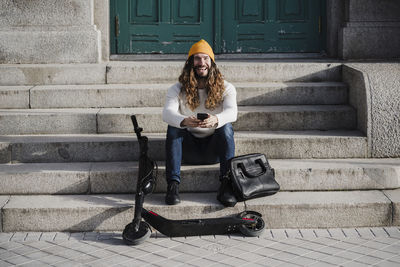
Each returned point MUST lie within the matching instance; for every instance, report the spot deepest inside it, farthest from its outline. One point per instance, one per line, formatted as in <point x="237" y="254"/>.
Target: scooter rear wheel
<point x="132" y="237"/>
<point x="253" y="229"/>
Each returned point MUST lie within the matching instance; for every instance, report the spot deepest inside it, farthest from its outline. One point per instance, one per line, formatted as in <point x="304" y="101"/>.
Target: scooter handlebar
<point x="136" y="127"/>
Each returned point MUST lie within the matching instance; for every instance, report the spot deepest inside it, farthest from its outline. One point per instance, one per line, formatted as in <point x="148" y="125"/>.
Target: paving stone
<point x="355" y="264"/>
<point x="167" y="263"/>
<point x="365" y="232"/>
<point x="392" y="248"/>
<point x="303" y="261"/>
<point x="200" y="262"/>
<point x="20" y="260"/>
<point x="33" y="236"/>
<point x="299" y="251"/>
<point x="52" y="259"/>
<point x="336" y="233"/>
<point x="278" y="234"/>
<point x="5" y="264"/>
<point x="10" y="245"/>
<point x="267" y="251"/>
<point x="19" y="236"/>
<point x="323" y="264"/>
<point x="24" y="250"/>
<point x="362" y="250"/>
<point x="335" y="260"/>
<point x="308" y="233"/>
<point x="48" y="236"/>
<point x="329" y="250"/>
<point x="327" y="241"/>
<point x="369" y="260"/>
<point x="293" y="233"/>
<point x="133" y="262"/>
<point x="234" y="261"/>
<point x="322" y="233"/>
<point x="395" y="259"/>
<point x="210" y="251"/>
<point x="393" y="232"/>
<point x="77" y="236"/>
<point x="379" y="232"/>
<point x="383" y="255"/>
<point x="387" y="264"/>
<point x="349" y="255"/>
<point x="284" y="256"/>
<point x="5" y="237"/>
<point x="350" y="232"/>
<point x="62" y="237"/>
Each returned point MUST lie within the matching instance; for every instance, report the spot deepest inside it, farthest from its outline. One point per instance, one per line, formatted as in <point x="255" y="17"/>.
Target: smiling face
<point x="201" y="64"/>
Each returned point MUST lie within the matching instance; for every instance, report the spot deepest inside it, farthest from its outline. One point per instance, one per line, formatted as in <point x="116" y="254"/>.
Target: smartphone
<point x="202" y="116"/>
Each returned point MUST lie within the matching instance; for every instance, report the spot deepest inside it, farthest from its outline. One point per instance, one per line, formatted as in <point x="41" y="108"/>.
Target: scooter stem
<point x="139" y="199"/>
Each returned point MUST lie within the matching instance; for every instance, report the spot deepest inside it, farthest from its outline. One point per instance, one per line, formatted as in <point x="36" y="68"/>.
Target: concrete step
<point x="165" y="71"/>
<point x="282" y="210"/>
<point x="105" y="120"/>
<point x="121" y="177"/>
<point x="40" y="74"/>
<point x="233" y="71"/>
<point x="153" y="95"/>
<point x="120" y="147"/>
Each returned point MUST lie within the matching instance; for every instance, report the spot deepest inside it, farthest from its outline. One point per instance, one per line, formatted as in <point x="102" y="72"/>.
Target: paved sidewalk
<point x="290" y="247"/>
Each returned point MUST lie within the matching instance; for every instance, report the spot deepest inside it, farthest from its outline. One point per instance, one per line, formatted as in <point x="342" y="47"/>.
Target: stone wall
<point x="371" y="30"/>
<point x="48" y="31"/>
<point x="374" y="92"/>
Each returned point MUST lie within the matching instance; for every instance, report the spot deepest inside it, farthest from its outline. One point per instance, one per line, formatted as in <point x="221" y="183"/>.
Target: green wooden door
<point x="160" y="26"/>
<point x="254" y="26"/>
<point x="230" y="26"/>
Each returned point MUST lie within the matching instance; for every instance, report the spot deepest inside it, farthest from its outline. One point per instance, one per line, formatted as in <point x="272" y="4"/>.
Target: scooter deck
<point x="194" y="227"/>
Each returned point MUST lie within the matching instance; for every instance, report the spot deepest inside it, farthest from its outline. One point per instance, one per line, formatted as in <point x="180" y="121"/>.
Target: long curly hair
<point x="214" y="85"/>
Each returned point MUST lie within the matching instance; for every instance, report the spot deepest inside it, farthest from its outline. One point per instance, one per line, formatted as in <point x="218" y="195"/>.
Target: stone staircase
<point x="68" y="153"/>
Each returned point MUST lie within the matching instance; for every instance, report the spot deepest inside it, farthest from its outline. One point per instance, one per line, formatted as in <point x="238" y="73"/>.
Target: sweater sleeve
<point x="229" y="106"/>
<point x="171" y="113"/>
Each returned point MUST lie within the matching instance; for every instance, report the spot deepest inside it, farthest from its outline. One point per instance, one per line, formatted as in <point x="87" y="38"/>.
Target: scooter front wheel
<point x="256" y="228"/>
<point x="132" y="237"/>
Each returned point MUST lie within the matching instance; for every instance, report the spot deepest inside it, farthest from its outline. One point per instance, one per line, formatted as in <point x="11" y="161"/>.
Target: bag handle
<point x="259" y="161"/>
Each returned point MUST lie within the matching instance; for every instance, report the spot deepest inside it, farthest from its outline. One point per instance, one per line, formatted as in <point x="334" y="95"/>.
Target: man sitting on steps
<point x="201" y="89"/>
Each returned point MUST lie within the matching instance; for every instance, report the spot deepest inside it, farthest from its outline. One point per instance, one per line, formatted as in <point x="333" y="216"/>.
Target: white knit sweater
<point x="175" y="109"/>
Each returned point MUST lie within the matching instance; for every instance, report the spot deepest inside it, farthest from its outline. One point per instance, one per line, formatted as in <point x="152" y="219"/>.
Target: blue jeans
<point x="182" y="145"/>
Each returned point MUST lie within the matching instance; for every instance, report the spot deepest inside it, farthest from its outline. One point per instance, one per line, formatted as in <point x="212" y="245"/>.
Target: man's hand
<point x="210" y="122"/>
<point x="191" y="121"/>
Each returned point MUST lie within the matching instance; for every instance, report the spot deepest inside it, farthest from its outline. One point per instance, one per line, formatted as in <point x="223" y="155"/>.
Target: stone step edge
<point x="161" y="136"/>
<point x="100" y="148"/>
<point x="117" y="120"/>
<point x="121" y="177"/>
<point x="127" y="72"/>
<point x="165" y="85"/>
<point x="122" y="95"/>
<point x="157" y="110"/>
<point x="282" y="210"/>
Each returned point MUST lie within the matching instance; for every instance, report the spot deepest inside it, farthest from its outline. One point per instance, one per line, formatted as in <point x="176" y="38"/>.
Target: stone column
<point x="48" y="31"/>
<point x="371" y="30"/>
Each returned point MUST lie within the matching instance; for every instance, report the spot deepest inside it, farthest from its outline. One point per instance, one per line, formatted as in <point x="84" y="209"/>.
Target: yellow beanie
<point x="201" y="47"/>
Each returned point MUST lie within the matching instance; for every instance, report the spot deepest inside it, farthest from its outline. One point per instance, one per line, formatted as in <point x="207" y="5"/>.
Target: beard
<point x="201" y="76"/>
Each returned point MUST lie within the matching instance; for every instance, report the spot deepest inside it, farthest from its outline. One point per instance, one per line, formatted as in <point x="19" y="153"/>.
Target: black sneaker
<point x="172" y="197"/>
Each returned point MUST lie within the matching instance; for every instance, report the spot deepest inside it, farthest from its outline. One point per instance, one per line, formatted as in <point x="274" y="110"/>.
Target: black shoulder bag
<point x="252" y="176"/>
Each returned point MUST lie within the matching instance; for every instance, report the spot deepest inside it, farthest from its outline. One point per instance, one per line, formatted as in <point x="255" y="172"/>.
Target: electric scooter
<point x="249" y="223"/>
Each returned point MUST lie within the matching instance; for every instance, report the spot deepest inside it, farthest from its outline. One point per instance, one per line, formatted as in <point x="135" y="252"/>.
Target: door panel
<point x="230" y="26"/>
<point x="262" y="26"/>
<point x="162" y="26"/>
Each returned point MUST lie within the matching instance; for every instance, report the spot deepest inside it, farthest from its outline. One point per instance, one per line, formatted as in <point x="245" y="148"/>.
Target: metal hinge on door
<point x="116" y="26"/>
